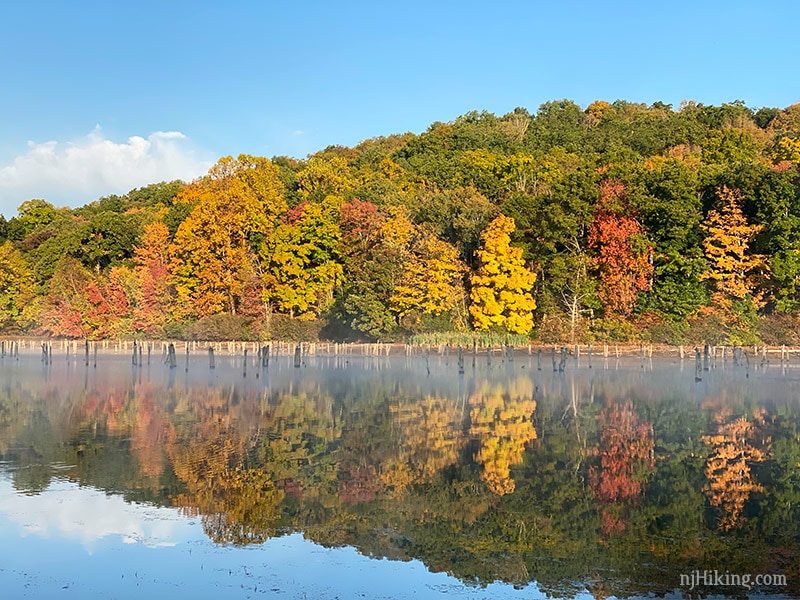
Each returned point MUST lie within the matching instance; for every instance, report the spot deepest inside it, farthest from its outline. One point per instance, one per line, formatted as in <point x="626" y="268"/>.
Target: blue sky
<point x="101" y="97"/>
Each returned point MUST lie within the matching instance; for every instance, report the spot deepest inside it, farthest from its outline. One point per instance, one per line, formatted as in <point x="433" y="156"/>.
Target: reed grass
<point x="467" y="339"/>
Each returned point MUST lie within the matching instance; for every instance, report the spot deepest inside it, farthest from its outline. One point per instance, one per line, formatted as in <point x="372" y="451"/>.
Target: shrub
<point x="218" y="328"/>
<point x="283" y="327"/>
<point x="779" y="329"/>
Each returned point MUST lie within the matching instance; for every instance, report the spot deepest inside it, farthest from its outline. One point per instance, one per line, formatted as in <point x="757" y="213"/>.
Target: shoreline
<point x="28" y="345"/>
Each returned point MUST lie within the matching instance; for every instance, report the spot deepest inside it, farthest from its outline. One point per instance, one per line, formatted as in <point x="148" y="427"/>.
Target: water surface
<point x="396" y="477"/>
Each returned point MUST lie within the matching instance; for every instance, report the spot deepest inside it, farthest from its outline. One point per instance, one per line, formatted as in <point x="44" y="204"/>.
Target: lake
<point x="398" y="477"/>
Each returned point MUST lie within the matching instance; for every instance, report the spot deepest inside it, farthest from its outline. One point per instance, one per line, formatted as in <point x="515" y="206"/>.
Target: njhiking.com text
<point x="715" y="578"/>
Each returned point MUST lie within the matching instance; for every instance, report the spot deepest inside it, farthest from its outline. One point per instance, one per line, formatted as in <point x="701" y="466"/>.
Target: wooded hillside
<point x="618" y="222"/>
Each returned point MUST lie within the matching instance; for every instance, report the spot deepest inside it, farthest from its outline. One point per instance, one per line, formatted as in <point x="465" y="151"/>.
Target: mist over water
<point x="395" y="476"/>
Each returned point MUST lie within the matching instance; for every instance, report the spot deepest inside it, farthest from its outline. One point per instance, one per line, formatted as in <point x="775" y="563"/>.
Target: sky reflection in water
<point x="78" y="542"/>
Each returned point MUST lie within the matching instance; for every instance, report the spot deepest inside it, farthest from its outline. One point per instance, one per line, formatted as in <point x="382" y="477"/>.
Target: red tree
<point x="623" y="253"/>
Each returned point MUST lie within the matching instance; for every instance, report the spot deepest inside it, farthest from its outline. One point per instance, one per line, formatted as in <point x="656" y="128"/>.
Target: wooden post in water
<point x="244" y="363"/>
<point x="428" y="360"/>
<point x="211" y="361"/>
<point x="171" y="358"/>
<point x="697" y="366"/>
<point x="297" y="356"/>
<point x="539" y="359"/>
<point x="460" y="360"/>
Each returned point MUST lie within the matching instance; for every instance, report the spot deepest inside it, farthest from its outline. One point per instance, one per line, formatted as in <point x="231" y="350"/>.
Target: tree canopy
<point x="620" y="221"/>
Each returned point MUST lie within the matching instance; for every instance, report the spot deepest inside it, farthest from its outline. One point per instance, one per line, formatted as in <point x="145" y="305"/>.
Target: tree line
<point x="617" y="222"/>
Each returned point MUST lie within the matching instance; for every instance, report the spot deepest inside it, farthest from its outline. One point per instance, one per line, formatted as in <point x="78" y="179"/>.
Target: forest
<point x="617" y="222"/>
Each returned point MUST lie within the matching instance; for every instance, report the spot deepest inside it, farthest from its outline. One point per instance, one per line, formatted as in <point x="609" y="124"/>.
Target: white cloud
<point x="77" y="172"/>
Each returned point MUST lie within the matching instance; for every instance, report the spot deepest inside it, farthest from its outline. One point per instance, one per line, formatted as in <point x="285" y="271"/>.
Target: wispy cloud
<point x="76" y="172"/>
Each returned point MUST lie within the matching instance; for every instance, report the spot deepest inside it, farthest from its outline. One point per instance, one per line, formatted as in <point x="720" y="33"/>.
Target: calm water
<point x="366" y="477"/>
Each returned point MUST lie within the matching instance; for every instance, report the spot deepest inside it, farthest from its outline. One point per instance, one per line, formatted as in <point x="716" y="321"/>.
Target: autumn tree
<point x="18" y="302"/>
<point x="235" y="206"/>
<point x="67" y="301"/>
<point x="324" y="176"/>
<point x="732" y="269"/>
<point x="301" y="260"/>
<point x="623" y="253"/>
<point x="152" y="260"/>
<point x="432" y="278"/>
<point x="371" y="270"/>
<point x="501" y="288"/>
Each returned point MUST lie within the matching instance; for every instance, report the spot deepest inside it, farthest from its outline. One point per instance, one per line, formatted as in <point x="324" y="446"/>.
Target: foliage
<point x="732" y="268"/>
<point x="18" y="302"/>
<point x="690" y="216"/>
<point x="500" y="290"/>
<point x="623" y="254"/>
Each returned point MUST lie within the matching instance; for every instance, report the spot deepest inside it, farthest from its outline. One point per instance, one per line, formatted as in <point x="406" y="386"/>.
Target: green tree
<point x="301" y="260"/>
<point x="31" y="216"/>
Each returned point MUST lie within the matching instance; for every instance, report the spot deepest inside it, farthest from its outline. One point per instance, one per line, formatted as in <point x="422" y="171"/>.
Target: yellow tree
<point x="235" y="205"/>
<point x="731" y="267"/>
<point x="323" y="177"/>
<point x="432" y="277"/>
<point x="501" y="289"/>
<point x="18" y="305"/>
